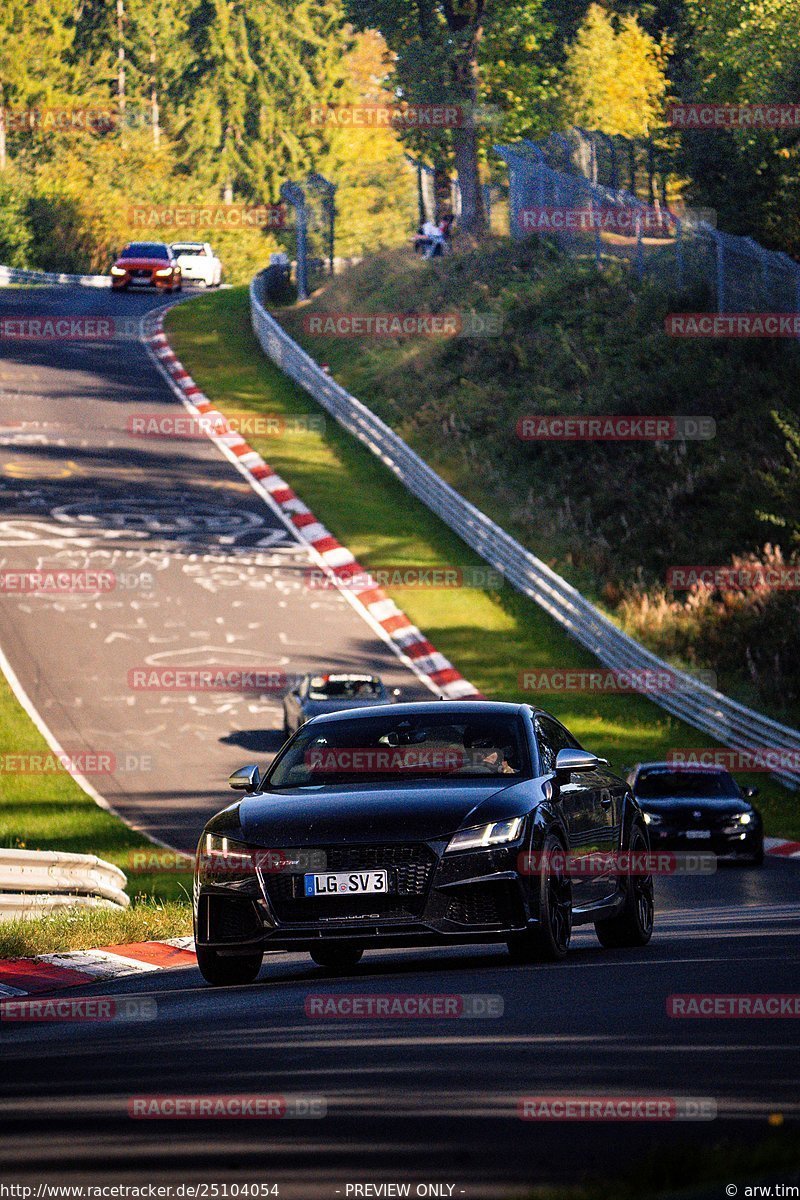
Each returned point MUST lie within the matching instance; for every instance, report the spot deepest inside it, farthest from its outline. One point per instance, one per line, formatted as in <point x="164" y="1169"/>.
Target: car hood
<point x="136" y="264"/>
<point x="368" y="813"/>
<point x="683" y="806"/>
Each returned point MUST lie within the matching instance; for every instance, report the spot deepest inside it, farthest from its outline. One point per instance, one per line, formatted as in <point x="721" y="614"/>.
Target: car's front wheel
<point x="633" y="924"/>
<point x="758" y="857"/>
<point x="337" y="958"/>
<point x="228" y="971"/>
<point x="549" y="941"/>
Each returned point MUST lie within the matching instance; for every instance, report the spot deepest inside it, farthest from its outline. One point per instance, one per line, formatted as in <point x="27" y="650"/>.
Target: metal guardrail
<point x="729" y="722"/>
<point x="24" y="275"/>
<point x="35" y="881"/>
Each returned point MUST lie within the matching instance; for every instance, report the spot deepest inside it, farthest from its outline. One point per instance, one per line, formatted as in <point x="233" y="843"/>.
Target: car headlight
<point x="162" y="271"/>
<point x="497" y="833"/>
<point x="652" y="819"/>
<point x="218" y="855"/>
<point x="744" y="818"/>
<point x="118" y="271"/>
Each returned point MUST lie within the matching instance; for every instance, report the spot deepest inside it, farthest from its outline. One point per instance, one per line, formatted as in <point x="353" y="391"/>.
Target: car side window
<point x="551" y="738"/>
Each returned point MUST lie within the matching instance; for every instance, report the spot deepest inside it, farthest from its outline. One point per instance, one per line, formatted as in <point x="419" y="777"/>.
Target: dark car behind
<point x="700" y="808"/>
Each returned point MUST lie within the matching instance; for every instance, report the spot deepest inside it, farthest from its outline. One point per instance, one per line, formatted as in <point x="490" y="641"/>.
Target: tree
<point x="746" y="53"/>
<point x="784" y="481"/>
<point x="34" y="41"/>
<point x="615" y="78"/>
<point x="463" y="53"/>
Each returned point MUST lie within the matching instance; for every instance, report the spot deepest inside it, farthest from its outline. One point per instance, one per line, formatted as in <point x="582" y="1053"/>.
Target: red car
<point x="146" y="264"/>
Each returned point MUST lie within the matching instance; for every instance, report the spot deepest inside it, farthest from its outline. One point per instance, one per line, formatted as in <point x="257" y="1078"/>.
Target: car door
<point x="587" y="804"/>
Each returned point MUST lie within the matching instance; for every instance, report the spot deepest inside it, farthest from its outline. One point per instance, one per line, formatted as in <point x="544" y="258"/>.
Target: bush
<point x="747" y="631"/>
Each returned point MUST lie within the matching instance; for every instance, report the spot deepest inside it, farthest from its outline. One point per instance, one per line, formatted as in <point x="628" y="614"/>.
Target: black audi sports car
<point x="419" y="824"/>
<point x="314" y="695"/>
<point x="699" y="808"/>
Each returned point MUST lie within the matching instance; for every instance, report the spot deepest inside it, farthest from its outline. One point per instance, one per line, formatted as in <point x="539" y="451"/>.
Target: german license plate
<point x="698" y="833"/>
<point x="346" y="883"/>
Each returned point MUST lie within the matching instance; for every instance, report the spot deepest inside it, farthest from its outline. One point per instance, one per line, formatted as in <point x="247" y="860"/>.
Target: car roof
<point x="713" y="768"/>
<point x="341" y="677"/>
<point x="453" y="708"/>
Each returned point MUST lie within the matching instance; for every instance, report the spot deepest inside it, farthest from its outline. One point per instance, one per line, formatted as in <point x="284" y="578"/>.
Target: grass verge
<point x="490" y="636"/>
<point x="51" y="812"/>
<point x="84" y="929"/>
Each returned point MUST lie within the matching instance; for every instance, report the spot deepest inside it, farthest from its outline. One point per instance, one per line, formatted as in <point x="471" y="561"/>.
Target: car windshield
<point x="345" y="687"/>
<point x="700" y="785"/>
<point x="408" y="747"/>
<point x="145" y="250"/>
<point x="187" y="248"/>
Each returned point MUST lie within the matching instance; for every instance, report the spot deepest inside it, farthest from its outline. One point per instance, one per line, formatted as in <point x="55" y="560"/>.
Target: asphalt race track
<point x="206" y="573"/>
<point x="427" y="1099"/>
<point x="423" y="1099"/>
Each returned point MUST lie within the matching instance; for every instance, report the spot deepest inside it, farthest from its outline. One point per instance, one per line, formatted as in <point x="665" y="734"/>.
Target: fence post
<point x="598" y="241"/>
<point x="328" y="190"/>
<point x="609" y="141"/>
<point x="679" y="250"/>
<point x="720" y="255"/>
<point x="293" y="194"/>
<point x="639" y="246"/>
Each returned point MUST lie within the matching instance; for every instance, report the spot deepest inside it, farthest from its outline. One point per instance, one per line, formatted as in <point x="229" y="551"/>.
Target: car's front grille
<point x="482" y="904"/>
<point x="410" y="868"/>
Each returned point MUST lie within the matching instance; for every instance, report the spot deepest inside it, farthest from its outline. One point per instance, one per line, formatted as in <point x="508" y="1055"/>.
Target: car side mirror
<point x="246" y="779"/>
<point x="750" y="793"/>
<point x="570" y="760"/>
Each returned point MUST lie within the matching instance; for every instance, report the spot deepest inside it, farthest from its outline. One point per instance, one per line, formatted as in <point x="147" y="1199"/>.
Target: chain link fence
<point x="569" y="187"/>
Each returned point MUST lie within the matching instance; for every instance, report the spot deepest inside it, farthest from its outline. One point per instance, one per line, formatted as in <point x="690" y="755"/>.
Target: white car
<point x="198" y="263"/>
